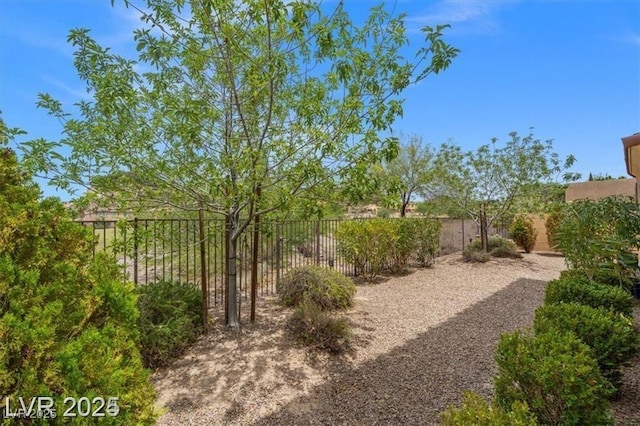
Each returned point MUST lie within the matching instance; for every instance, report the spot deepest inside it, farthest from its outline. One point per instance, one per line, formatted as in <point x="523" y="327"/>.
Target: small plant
<point x="476" y="411"/>
<point x="593" y="235"/>
<point x="170" y="320"/>
<point x="552" y="224"/>
<point x="555" y="374"/>
<point x="314" y="327"/>
<point x="428" y="240"/>
<point x="576" y="289"/>
<point x="496" y="247"/>
<point x="611" y="336"/>
<point x="507" y="251"/>
<point x="475" y="256"/>
<point x="523" y="233"/>
<point x="327" y="288"/>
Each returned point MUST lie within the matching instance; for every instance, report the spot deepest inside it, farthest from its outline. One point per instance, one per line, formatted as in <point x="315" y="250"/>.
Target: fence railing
<point x="149" y="250"/>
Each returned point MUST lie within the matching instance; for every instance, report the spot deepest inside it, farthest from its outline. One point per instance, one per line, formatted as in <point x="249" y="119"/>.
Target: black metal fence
<point x="171" y="249"/>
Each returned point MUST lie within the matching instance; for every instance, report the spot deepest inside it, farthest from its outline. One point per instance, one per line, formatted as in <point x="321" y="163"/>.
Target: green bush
<point x="170" y="320"/>
<point x="366" y="244"/>
<point x="475" y="256"/>
<point x="67" y="322"/>
<point x="581" y="290"/>
<point x="505" y="251"/>
<point x="523" y="233"/>
<point x="388" y="244"/>
<point x="476" y="411"/>
<point x="597" y="234"/>
<point x="555" y="374"/>
<point x="552" y="224"/>
<point x="326" y="288"/>
<point x="314" y="327"/>
<point x="493" y="242"/>
<point x="604" y="275"/>
<point x="427" y="237"/>
<point x="496" y="247"/>
<point x="611" y="336"/>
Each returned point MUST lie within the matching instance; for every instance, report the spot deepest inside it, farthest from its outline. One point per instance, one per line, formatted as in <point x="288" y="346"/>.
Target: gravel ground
<point x="420" y="340"/>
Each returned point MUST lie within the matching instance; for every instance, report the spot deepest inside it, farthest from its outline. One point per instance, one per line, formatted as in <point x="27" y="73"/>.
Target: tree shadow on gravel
<point x="413" y="383"/>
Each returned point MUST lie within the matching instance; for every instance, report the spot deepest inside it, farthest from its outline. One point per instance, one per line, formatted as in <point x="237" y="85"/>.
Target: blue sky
<point x="568" y="68"/>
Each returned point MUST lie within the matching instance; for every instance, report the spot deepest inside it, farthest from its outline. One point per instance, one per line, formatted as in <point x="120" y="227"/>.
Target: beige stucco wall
<point x="595" y="190"/>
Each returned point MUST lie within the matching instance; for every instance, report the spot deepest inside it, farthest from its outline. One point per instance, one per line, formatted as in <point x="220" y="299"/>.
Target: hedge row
<point x="566" y="371"/>
<point x="387" y="244"/>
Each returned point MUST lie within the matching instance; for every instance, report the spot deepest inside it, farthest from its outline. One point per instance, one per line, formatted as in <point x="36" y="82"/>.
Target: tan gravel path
<point x="420" y="340"/>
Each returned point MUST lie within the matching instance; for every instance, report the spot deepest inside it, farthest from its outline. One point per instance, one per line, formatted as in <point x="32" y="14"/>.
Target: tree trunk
<point x="232" y="282"/>
<point x="405" y="202"/>
<point x="484" y="231"/>
<point x="204" y="287"/>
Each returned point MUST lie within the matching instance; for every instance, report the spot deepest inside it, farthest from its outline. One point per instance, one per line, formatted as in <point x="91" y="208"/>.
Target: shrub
<point x="378" y="244"/>
<point x="506" y="251"/>
<point x="552" y="223"/>
<point x="326" y="288"/>
<point x="313" y="327"/>
<point x="367" y="244"/>
<point x="523" y="233"/>
<point x="170" y="320"/>
<point x="555" y="374"/>
<point x="600" y="234"/>
<point x="427" y="237"/>
<point x="67" y="322"/>
<point x="611" y="336"/>
<point x="496" y="247"/>
<point x="404" y="243"/>
<point x="604" y="275"/>
<point x="581" y="290"/>
<point x="476" y="411"/>
<point x="475" y="256"/>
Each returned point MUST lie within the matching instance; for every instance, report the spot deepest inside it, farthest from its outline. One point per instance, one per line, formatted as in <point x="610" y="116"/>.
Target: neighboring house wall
<point x="542" y="242"/>
<point x="595" y="190"/>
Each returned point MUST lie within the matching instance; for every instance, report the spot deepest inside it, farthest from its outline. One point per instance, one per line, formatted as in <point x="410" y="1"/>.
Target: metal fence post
<point x="135" y="250"/>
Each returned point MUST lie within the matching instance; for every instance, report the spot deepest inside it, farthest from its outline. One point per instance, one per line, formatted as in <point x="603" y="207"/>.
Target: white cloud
<point x="73" y="93"/>
<point x="470" y="15"/>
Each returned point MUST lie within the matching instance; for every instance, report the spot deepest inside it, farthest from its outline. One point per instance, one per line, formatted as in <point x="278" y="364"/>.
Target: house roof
<point x="632" y="154"/>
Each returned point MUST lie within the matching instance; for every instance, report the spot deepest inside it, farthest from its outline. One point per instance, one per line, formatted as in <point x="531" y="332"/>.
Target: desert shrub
<point x="67" y="321"/>
<point x="612" y="337"/>
<point x="475" y="256"/>
<point x="427" y="237"/>
<point x="170" y="320"/>
<point x="523" y="233"/>
<point x="555" y="374"/>
<point x="496" y="247"/>
<point x="404" y="243"/>
<point x="552" y="223"/>
<point x="387" y="244"/>
<point x="604" y="275"/>
<point x="597" y="234"/>
<point x="326" y="288"/>
<point x="312" y="326"/>
<point x="493" y="242"/>
<point x="476" y="411"/>
<point x="582" y="290"/>
<point x="505" y="250"/>
<point x="367" y="244"/>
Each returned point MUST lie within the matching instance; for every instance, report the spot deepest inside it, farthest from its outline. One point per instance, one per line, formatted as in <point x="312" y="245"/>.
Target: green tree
<point x="237" y="109"/>
<point x="490" y="182"/>
<point x="596" y="235"/>
<point x="409" y="173"/>
<point x="67" y="322"/>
